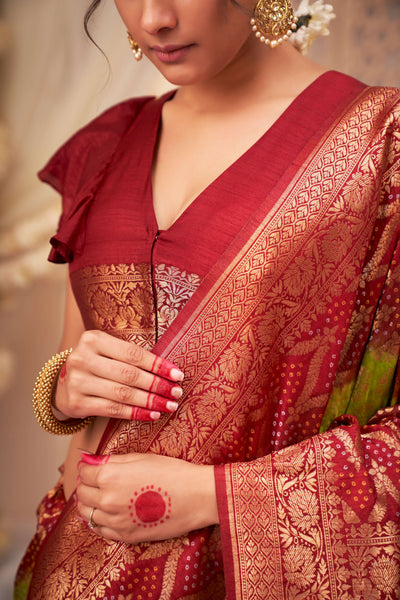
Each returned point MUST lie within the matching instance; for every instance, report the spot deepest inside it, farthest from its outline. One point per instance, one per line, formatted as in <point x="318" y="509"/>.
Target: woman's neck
<point x="259" y="75"/>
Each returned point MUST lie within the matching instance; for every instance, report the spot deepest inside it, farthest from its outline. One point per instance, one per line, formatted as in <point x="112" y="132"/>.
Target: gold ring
<point x="92" y="523"/>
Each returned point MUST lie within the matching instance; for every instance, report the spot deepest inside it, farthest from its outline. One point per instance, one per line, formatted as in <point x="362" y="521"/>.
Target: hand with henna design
<point x="145" y="497"/>
<point x="108" y="377"/>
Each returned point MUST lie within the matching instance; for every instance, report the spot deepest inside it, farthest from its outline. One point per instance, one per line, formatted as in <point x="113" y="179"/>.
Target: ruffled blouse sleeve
<point x="77" y="168"/>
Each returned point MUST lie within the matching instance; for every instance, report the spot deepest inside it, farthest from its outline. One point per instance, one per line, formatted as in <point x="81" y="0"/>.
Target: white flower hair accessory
<point x="313" y="21"/>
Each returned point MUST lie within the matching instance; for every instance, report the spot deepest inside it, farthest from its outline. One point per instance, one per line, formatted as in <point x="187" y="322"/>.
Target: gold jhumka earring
<point x="136" y="51"/>
<point x="273" y="21"/>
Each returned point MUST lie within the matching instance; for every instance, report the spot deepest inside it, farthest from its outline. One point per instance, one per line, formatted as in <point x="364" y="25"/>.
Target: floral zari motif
<point x="296" y="516"/>
<point x="121" y="299"/>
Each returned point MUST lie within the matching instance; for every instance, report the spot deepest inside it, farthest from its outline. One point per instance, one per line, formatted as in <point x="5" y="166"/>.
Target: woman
<point x="234" y="276"/>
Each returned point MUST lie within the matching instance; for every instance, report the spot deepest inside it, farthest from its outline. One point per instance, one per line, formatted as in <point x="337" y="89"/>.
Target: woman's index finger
<point x="135" y="355"/>
<point x="165" y="368"/>
<point x="139" y="357"/>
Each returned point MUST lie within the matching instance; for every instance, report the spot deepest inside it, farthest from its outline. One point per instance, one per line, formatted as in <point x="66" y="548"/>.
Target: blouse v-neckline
<point x="278" y="127"/>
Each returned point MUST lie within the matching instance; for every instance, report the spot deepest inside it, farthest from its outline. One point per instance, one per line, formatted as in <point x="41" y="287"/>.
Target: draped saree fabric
<point x="296" y="324"/>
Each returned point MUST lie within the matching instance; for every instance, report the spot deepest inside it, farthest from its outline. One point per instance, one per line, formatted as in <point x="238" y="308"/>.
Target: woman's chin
<point x="179" y="79"/>
<point x="179" y="73"/>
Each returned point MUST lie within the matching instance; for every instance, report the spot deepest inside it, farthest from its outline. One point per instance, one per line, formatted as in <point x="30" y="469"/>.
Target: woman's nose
<point x="158" y="15"/>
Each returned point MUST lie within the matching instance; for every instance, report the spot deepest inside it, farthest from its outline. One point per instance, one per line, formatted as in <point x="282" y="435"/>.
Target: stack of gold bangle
<point x="42" y="399"/>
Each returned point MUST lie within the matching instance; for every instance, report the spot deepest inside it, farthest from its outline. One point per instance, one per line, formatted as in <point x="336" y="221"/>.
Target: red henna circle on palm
<point x="150" y="507"/>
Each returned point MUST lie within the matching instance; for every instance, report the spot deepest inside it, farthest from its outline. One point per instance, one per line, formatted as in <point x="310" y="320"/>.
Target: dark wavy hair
<point x="89" y="13"/>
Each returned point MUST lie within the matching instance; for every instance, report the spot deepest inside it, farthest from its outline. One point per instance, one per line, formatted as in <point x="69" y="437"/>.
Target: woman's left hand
<point x="145" y="497"/>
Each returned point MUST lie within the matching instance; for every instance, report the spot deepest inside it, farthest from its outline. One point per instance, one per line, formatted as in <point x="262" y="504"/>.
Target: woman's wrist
<point x="58" y="414"/>
<point x="208" y="511"/>
<point x="42" y="399"/>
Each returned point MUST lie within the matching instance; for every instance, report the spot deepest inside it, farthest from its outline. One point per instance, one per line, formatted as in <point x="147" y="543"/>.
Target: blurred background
<point x="52" y="81"/>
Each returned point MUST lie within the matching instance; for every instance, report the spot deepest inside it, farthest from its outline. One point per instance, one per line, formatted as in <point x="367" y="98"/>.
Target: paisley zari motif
<point x="297" y="324"/>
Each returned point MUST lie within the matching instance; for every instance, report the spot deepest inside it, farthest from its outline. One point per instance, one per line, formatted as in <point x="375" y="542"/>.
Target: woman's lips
<point x="170" y="54"/>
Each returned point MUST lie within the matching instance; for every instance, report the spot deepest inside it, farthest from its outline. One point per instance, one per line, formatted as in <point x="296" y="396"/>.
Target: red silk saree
<point x="296" y="325"/>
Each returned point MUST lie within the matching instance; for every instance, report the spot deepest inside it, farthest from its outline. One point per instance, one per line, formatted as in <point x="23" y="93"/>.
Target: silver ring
<point x="92" y="523"/>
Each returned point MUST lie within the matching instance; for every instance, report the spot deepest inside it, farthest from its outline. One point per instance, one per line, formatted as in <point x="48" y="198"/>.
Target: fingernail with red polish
<point x="155" y="415"/>
<point x="172" y="406"/>
<point x="94" y="459"/>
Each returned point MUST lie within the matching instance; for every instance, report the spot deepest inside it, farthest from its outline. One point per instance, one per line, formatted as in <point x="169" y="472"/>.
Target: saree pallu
<point x="296" y="325"/>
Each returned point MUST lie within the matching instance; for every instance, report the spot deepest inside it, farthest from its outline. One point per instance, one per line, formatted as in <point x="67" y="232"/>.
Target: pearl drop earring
<point x="136" y="51"/>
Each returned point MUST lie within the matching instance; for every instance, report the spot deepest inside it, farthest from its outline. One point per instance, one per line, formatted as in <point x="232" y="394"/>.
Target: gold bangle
<point x="42" y="396"/>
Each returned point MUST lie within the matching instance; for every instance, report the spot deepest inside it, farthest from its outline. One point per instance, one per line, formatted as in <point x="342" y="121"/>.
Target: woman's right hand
<point x="108" y="377"/>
